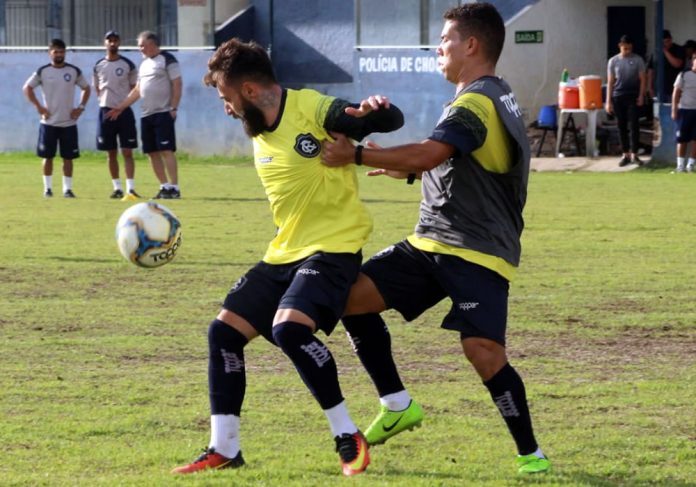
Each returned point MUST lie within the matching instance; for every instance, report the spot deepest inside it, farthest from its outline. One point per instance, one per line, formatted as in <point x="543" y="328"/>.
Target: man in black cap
<point x="625" y="91"/>
<point x="114" y="76"/>
<point x="674" y="63"/>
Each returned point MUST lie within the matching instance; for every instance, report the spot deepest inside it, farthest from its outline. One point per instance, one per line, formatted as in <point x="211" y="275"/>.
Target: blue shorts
<point x="123" y="128"/>
<point x="49" y="138"/>
<point x="686" y="125"/>
<point x="157" y="132"/>
<point x="318" y="286"/>
<point x="412" y="281"/>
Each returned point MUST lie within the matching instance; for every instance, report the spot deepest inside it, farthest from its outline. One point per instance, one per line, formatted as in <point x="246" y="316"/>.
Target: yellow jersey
<point x="315" y="208"/>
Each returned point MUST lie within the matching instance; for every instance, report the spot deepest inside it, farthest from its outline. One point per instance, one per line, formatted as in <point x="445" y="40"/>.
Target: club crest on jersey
<point x="67" y="76"/>
<point x="119" y="71"/>
<point x="307" y="146"/>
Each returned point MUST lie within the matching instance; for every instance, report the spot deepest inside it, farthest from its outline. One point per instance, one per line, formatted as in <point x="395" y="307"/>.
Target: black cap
<point x="666" y="34"/>
<point x="625" y="39"/>
<point x="112" y="33"/>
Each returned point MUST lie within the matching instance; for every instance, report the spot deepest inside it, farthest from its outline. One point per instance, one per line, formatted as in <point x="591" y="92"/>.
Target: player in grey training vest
<point x="114" y="77"/>
<point x="159" y="85"/>
<point x="466" y="246"/>
<point x="58" y="114"/>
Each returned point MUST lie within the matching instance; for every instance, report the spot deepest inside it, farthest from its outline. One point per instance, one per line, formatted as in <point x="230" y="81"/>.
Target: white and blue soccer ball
<point x="148" y="234"/>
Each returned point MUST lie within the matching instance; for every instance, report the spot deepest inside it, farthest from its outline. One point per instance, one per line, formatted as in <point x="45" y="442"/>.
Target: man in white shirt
<point x="114" y="77"/>
<point x="684" y="113"/>
<point x="58" y="113"/>
<point x="159" y="85"/>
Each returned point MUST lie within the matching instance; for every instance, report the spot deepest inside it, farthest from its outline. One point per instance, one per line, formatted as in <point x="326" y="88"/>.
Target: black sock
<point x="226" y="375"/>
<point x="507" y="390"/>
<point x="313" y="361"/>
<point x="372" y="343"/>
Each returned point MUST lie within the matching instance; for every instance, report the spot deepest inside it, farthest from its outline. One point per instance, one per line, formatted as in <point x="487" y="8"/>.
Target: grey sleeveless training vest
<point x="465" y="205"/>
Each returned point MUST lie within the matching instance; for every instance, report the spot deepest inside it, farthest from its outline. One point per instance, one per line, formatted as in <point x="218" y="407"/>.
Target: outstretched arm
<point x="374" y="114"/>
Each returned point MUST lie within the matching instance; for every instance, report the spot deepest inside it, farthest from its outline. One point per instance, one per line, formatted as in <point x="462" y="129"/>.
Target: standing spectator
<point x="159" y="85"/>
<point x="684" y="113"/>
<point x="114" y="77"/>
<point x="689" y="50"/>
<point x="674" y="62"/>
<point x="58" y="114"/>
<point x="625" y="91"/>
<point x="474" y="169"/>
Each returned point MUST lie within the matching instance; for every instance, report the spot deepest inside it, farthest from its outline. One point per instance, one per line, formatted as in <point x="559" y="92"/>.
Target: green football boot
<point x="532" y="464"/>
<point x="390" y="423"/>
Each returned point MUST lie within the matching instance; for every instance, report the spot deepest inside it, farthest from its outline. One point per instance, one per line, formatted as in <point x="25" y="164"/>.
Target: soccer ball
<point x="148" y="234"/>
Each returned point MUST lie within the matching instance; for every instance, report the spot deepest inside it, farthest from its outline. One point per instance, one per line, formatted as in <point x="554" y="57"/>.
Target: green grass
<point x="103" y="364"/>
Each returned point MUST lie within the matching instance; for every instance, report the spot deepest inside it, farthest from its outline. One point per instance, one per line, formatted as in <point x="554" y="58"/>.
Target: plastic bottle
<point x="564" y="75"/>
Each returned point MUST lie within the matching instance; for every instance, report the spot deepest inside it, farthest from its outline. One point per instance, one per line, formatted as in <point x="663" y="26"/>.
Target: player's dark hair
<point x="482" y="21"/>
<point x="236" y="61"/>
<point x="56" y="44"/>
<point x="148" y="35"/>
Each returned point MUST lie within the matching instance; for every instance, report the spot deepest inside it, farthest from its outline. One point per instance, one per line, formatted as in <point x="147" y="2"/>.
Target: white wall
<point x="575" y="37"/>
<point x="201" y="126"/>
<point x="194" y="20"/>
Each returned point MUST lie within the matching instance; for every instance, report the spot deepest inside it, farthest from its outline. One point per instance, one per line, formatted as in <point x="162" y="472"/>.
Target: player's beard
<point x="254" y="121"/>
<point x="58" y="60"/>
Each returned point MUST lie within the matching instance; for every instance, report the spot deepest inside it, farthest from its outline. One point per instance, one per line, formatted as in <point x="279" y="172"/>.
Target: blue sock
<point x="313" y="361"/>
<point x="226" y="373"/>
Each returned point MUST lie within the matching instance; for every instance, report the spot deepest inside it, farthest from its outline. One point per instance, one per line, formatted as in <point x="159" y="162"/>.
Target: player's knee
<point x="482" y="351"/>
<point x="288" y="333"/>
<point x="220" y="333"/>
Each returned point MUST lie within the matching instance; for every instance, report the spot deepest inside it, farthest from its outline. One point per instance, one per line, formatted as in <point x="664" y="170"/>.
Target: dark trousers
<point x="626" y="111"/>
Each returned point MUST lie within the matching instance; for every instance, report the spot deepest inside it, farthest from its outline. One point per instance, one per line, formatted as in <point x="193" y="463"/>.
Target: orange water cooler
<point x="568" y="95"/>
<point x="590" y="92"/>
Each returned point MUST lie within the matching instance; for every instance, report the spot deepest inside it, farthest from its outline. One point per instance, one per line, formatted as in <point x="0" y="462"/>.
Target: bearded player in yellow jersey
<point x="302" y="283"/>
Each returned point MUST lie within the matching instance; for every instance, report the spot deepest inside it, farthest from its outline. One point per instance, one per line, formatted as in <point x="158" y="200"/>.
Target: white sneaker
<point x="680" y="168"/>
<point x="689" y="168"/>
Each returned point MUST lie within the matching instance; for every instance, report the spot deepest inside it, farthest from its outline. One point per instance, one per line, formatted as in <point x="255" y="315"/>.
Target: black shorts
<point x="49" y="138"/>
<point x="686" y="125"/>
<point x="122" y="128"/>
<point x="157" y="132"/>
<point x="318" y="286"/>
<point x="412" y="281"/>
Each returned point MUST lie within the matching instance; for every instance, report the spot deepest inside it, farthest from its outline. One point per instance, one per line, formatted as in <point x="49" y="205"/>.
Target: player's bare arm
<point x="132" y="97"/>
<point x="31" y="96"/>
<point x="409" y="158"/>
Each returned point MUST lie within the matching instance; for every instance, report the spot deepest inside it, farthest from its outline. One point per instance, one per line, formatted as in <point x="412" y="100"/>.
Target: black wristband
<point x="411" y="178"/>
<point x="358" y="155"/>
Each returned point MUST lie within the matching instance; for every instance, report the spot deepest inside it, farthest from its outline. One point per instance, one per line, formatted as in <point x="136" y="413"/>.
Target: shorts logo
<point x="468" y="306"/>
<point x="119" y="71"/>
<point x="238" y="285"/>
<point x="309" y="272"/>
<point x="67" y="76"/>
<point x="384" y="252"/>
<point x="100" y="140"/>
<point x="307" y="146"/>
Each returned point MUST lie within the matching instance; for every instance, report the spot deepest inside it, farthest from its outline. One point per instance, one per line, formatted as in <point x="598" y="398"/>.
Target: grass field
<point x="103" y="365"/>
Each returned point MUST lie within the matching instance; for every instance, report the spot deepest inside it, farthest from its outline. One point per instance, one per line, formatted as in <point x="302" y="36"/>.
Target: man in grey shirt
<point x="114" y="77"/>
<point x="58" y="113"/>
<point x="625" y="92"/>
<point x="159" y="85"/>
